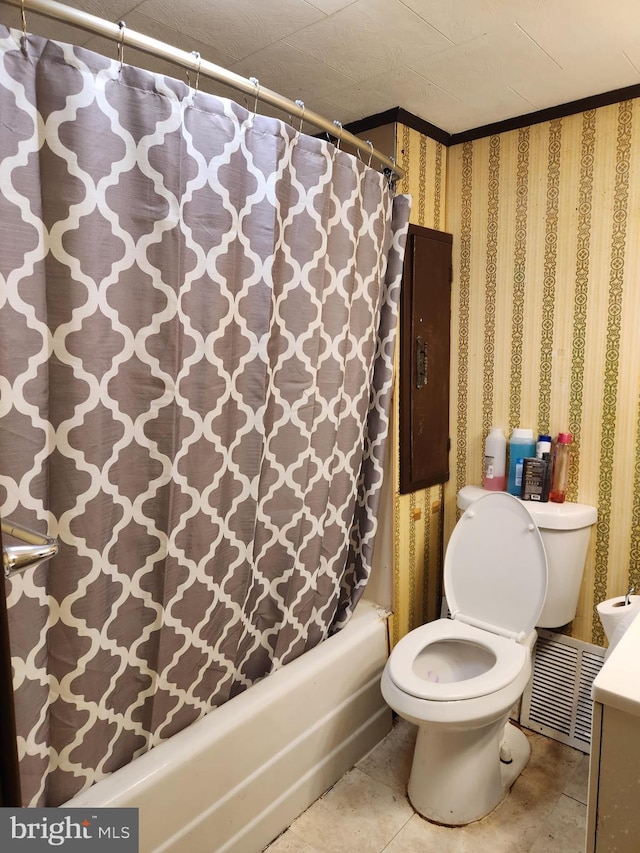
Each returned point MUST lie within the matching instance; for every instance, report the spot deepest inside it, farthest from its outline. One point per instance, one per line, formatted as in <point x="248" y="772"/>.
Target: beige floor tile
<point x="565" y="830"/>
<point x="420" y="836"/>
<point x="289" y="842"/>
<point x="359" y="815"/>
<point x="390" y="761"/>
<point x="578" y="785"/>
<point x="550" y="760"/>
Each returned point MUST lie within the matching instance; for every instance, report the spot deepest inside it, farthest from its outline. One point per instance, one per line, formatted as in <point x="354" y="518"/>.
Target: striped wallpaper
<point x="418" y="518"/>
<point x="545" y="327"/>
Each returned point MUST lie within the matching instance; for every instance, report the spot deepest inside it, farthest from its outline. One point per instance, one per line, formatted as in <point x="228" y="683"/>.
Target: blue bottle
<point x="522" y="445"/>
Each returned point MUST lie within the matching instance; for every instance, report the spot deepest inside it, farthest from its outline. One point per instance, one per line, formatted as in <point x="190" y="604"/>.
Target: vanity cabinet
<point x="425" y="320"/>
<point x="613" y="811"/>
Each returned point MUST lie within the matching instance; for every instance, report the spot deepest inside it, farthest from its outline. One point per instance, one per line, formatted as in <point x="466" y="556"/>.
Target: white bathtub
<point x="234" y="780"/>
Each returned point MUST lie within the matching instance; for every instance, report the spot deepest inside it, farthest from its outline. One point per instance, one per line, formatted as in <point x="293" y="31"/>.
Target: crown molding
<point x="401" y="116"/>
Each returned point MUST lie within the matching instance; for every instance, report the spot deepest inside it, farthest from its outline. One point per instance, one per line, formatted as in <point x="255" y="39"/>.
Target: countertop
<point x="618" y="682"/>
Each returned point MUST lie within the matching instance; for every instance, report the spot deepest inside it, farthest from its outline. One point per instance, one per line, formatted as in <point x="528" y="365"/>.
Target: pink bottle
<point x="561" y="462"/>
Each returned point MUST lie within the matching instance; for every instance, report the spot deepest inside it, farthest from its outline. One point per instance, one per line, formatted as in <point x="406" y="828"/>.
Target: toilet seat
<point x="510" y="657"/>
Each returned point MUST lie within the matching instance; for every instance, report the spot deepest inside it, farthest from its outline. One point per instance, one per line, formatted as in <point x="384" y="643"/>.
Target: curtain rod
<point x="124" y="36"/>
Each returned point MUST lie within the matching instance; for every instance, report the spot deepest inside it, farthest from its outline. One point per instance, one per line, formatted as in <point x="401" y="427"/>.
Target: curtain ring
<point x="370" y="144"/>
<point x="256" y="84"/>
<point x="23" y="16"/>
<point x="197" y="56"/>
<point x="123" y="27"/>
<point x="301" y="105"/>
<point x="338" y="124"/>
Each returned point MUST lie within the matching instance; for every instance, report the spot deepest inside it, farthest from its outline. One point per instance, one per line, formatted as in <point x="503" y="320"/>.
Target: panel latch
<point x="421" y="363"/>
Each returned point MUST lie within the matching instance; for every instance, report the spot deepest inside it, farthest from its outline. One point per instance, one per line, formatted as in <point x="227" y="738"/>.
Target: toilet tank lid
<point x="548" y="516"/>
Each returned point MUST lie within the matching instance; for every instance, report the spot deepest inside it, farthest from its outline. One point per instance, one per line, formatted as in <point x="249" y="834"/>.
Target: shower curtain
<point x="197" y="320"/>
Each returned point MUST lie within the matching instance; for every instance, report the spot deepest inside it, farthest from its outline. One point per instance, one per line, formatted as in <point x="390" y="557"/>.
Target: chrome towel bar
<point x="38" y="548"/>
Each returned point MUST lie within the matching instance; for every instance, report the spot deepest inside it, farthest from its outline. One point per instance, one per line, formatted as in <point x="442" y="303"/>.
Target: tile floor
<point x="367" y="811"/>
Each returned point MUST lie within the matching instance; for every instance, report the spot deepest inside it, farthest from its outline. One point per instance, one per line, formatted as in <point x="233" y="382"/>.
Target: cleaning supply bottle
<point x="543" y="453"/>
<point x="495" y="459"/>
<point x="522" y="444"/>
<point x="543" y="445"/>
<point x="561" y="463"/>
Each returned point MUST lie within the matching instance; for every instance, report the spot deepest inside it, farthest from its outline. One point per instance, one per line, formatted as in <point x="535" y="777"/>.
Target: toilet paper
<point x="616" y="616"/>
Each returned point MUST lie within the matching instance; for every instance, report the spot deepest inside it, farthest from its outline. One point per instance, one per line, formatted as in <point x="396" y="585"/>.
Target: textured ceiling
<point x="459" y="64"/>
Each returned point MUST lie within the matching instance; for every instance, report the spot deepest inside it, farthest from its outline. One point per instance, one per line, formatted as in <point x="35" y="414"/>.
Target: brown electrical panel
<point x="425" y="318"/>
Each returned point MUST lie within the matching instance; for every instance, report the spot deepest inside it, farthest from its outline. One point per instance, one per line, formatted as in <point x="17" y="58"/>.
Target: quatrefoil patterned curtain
<point x="197" y="321"/>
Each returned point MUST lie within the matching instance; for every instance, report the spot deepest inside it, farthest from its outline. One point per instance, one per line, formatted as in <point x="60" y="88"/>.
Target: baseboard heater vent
<point x="557" y="701"/>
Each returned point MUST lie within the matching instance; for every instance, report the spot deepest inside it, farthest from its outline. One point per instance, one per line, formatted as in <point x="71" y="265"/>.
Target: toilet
<point x="457" y="679"/>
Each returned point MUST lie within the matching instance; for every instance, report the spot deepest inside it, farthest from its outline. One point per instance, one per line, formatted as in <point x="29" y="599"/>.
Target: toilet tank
<point x="565" y="529"/>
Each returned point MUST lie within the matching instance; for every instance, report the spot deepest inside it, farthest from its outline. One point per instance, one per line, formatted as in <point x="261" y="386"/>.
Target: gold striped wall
<point x="545" y="330"/>
<point x="417" y="518"/>
<point x="546" y="317"/>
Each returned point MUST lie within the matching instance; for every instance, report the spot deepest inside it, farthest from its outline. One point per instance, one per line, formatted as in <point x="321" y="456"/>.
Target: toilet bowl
<point x="457" y="679"/>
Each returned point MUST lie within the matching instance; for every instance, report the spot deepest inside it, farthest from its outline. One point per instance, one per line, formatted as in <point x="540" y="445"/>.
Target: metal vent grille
<point x="557" y="701"/>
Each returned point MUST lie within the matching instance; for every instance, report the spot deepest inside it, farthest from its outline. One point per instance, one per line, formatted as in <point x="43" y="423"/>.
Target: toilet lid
<point x="495" y="567"/>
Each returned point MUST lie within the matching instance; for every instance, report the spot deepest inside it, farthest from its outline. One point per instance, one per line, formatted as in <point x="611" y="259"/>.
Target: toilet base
<point x="517" y="743"/>
<point x="457" y="776"/>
